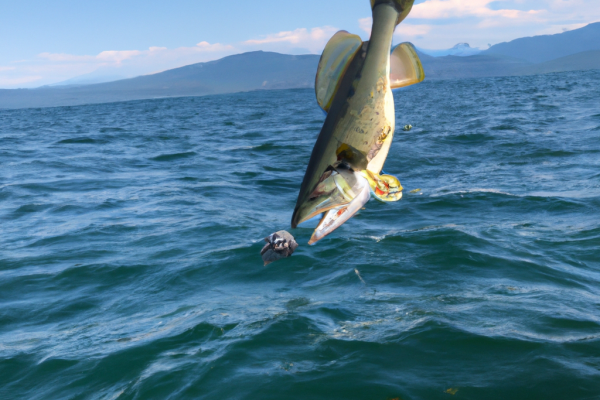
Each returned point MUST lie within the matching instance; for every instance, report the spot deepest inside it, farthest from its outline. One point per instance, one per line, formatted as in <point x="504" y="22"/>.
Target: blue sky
<point x="50" y="41"/>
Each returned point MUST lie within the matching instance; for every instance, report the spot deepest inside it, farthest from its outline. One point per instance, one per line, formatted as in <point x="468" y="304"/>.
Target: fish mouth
<point x="335" y="217"/>
<point x="336" y="187"/>
<point x="340" y="194"/>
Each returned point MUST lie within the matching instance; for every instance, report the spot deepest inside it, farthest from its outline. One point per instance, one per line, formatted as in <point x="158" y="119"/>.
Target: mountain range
<point x="573" y="50"/>
<point x="460" y="49"/>
<point x="538" y="49"/>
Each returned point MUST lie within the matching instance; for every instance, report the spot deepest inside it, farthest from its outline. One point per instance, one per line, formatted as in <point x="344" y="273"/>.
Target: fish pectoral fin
<point x="405" y="66"/>
<point x="384" y="187"/>
<point x="335" y="217"/>
<point x="336" y="57"/>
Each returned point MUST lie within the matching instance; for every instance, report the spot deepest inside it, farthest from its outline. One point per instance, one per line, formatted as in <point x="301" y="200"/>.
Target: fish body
<point x="354" y="86"/>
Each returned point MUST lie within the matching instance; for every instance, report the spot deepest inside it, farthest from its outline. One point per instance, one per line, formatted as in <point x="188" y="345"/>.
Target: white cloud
<point x="444" y="9"/>
<point x="49" y="68"/>
<point x="116" y="58"/>
<point x="432" y="24"/>
<point x="8" y="82"/>
<point x="551" y="29"/>
<point x="440" y="24"/>
<point x="412" y="30"/>
<point x="404" y="30"/>
<point x="313" y="40"/>
<point x="366" y="24"/>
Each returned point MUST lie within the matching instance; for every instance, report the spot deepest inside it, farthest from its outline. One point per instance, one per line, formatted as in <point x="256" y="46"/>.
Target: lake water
<point x="130" y="236"/>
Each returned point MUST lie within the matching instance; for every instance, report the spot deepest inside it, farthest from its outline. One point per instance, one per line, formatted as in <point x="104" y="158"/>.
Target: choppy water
<point x="130" y="237"/>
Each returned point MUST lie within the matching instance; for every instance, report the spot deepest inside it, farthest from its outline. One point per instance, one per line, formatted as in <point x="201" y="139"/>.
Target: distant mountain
<point x="242" y="72"/>
<point x="477" y="66"/>
<point x="89" y="79"/>
<point x="237" y="73"/>
<point x="575" y="62"/>
<point x="543" y="48"/>
<point x="482" y="65"/>
<point x="460" y="49"/>
<point x="265" y="70"/>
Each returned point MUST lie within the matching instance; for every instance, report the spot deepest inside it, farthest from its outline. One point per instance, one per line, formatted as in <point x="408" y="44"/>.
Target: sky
<point x="45" y="42"/>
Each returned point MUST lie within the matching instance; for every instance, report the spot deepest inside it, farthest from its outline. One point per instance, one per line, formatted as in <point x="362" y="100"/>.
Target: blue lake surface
<point x="130" y="236"/>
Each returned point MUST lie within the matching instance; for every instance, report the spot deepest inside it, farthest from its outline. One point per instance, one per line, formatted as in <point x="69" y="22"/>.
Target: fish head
<point x="336" y="216"/>
<point x="403" y="7"/>
<point x="337" y="186"/>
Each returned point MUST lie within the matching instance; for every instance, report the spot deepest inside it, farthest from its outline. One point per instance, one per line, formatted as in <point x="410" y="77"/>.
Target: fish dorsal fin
<point x="405" y="66"/>
<point x="336" y="57"/>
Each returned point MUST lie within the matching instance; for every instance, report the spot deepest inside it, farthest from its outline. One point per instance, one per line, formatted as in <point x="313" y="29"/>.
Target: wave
<point x="130" y="242"/>
<point x="174" y="156"/>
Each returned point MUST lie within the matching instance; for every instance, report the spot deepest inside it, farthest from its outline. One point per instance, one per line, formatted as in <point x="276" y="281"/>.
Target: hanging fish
<point x="354" y="87"/>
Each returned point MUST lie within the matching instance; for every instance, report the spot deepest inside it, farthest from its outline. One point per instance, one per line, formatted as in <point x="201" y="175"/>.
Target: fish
<point x="353" y="85"/>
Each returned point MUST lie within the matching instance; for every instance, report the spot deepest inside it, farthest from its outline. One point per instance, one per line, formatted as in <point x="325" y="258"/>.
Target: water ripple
<point x="131" y="232"/>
